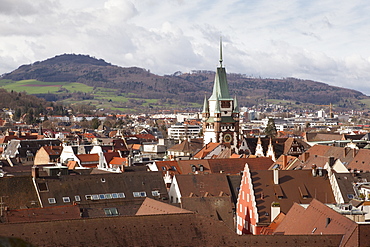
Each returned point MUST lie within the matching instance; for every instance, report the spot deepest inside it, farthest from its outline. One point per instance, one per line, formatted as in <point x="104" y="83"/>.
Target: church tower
<point x="220" y="114"/>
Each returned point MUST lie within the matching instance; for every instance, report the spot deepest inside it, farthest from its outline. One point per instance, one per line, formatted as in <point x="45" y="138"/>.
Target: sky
<point x="321" y="40"/>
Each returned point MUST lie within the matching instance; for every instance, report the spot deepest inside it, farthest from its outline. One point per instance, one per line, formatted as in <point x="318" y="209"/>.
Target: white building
<point x="182" y="131"/>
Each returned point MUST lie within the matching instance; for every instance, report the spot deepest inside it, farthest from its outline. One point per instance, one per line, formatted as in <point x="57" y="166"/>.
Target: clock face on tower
<point x="227" y="138"/>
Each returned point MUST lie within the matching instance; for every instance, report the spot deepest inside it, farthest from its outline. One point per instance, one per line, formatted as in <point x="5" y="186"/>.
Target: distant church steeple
<point x="220" y="115"/>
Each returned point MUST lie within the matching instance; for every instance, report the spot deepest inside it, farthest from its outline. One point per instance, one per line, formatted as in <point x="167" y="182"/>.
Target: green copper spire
<point x="220" y="86"/>
<point x="217" y="110"/>
<point x="205" y="105"/>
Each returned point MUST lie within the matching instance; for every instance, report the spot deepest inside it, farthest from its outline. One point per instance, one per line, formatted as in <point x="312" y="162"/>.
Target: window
<point x="88" y="197"/>
<point x="139" y="194"/>
<point x="66" y="199"/>
<point x="52" y="200"/>
<point x="95" y="197"/>
<point x="42" y="187"/>
<point x="77" y="198"/>
<point x="111" y="211"/>
<point x="155" y="193"/>
<point x="201" y="168"/>
<point x="121" y="195"/>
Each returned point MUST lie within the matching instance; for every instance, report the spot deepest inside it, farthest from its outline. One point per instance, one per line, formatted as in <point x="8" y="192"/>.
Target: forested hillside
<point x="178" y="88"/>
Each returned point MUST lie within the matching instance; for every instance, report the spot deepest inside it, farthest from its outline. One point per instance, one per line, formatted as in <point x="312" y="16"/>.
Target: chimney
<point x="35" y="172"/>
<point x="276" y="176"/>
<point x="346" y="151"/>
<point x="275" y="210"/>
<point x="314" y="170"/>
<point x="285" y="161"/>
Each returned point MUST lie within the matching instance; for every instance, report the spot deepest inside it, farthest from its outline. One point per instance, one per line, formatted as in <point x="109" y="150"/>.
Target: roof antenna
<point x="221" y="52"/>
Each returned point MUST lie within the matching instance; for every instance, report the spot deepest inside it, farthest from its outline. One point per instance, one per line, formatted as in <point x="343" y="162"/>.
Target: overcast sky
<point x="322" y="40"/>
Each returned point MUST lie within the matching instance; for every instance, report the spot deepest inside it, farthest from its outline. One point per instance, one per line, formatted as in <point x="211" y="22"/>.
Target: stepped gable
<point x="277" y="143"/>
<point x="292" y="184"/>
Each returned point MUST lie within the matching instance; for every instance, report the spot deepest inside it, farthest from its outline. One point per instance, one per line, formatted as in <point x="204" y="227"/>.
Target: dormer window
<point x="201" y="168"/>
<point x="193" y="168"/>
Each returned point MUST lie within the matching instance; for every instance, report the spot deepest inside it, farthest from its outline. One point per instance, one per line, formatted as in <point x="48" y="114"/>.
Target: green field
<point x="106" y="98"/>
<point x="39" y="87"/>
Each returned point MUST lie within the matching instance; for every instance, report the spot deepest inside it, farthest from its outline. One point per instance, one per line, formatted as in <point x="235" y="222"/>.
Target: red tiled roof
<point x="206" y="150"/>
<point x="118" y="161"/>
<point x="151" y="206"/>
<point x="318" y="219"/>
<point x="43" y="214"/>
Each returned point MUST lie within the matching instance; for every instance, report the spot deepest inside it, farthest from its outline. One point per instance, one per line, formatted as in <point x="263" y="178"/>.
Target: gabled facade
<point x="220" y="115"/>
<point x="48" y="155"/>
<point x="264" y="194"/>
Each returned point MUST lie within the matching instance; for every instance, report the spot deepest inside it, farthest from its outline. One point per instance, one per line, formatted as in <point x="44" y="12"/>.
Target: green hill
<point x="71" y="78"/>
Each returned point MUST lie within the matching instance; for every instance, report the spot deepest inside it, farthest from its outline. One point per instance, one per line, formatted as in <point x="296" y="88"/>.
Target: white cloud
<point x="320" y="39"/>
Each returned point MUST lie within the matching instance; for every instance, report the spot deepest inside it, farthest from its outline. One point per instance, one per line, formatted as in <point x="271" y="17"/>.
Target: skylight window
<point x="66" y="199"/>
<point x="52" y="200"/>
<point x="139" y="194"/>
<point x="155" y="193"/>
<point x="114" y="195"/>
<point x="95" y="197"/>
<point x="121" y="195"/>
<point x="77" y="198"/>
<point x="102" y="196"/>
<point x="111" y="211"/>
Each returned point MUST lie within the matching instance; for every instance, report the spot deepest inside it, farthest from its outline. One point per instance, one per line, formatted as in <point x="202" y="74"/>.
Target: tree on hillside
<point x="95" y="122"/>
<point x="270" y="129"/>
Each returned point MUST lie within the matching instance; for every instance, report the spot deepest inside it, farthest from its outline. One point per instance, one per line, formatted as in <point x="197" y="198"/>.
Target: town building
<point x="220" y="115"/>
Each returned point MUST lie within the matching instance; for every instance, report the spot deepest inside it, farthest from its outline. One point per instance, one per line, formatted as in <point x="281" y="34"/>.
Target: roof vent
<point x="328" y="220"/>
